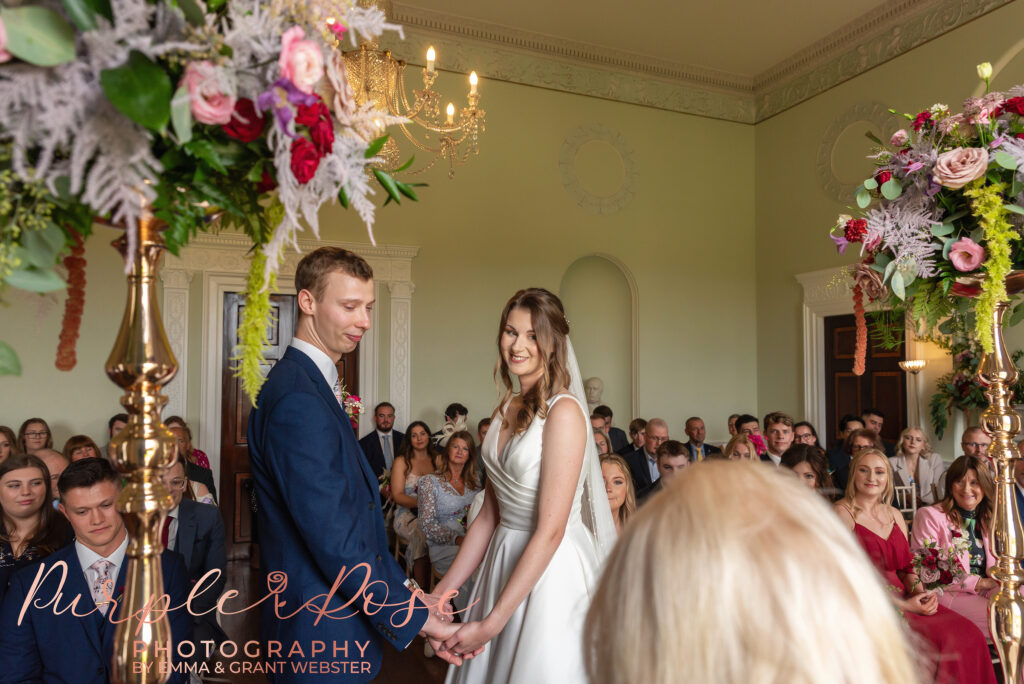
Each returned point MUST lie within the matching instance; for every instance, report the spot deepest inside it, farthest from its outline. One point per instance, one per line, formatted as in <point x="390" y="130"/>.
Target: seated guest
<point x="809" y="464"/>
<point x="195" y="472"/>
<point x="79" y="447"/>
<point x="8" y="441"/>
<point x="637" y="434"/>
<point x="116" y="423"/>
<point x="618" y="485"/>
<point x="444" y="501"/>
<point x="698" y="449"/>
<point x="30" y="528"/>
<point x="747" y="424"/>
<point x="643" y="464"/>
<point x="603" y="443"/>
<point x="416" y="458"/>
<point x="975" y="442"/>
<point x="456" y="419"/>
<point x="720" y="518"/>
<point x="804" y="433"/>
<point x="967" y="508"/>
<point x="55" y="463"/>
<point x="732" y="423"/>
<point x="779" y="428"/>
<point x="193" y="454"/>
<point x="196" y="531"/>
<point x="874" y="419"/>
<point x="915" y="464"/>
<point x="619" y="440"/>
<point x="381" y="445"/>
<point x="39" y="645"/>
<point x="33" y="435"/>
<point x="673" y="456"/>
<point x="740" y="448"/>
<point x="856" y="440"/>
<point x="836" y="457"/>
<point x="961" y="654"/>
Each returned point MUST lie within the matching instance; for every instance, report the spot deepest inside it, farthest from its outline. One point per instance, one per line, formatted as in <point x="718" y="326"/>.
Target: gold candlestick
<point x="997" y="374"/>
<point x="141" y="363"/>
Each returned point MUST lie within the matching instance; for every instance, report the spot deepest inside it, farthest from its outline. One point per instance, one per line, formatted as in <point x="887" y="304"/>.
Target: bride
<point x="545" y="526"/>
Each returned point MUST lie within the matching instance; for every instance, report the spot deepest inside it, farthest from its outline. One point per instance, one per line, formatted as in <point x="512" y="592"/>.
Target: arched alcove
<point x="599" y="295"/>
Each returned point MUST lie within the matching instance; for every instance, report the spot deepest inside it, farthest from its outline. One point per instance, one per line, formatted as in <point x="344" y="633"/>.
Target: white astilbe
<point x="369" y="23"/>
<point x="904" y="230"/>
<point x="253" y="33"/>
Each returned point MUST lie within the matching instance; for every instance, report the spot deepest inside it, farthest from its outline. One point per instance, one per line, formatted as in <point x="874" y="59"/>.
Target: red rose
<point x="883" y="176"/>
<point x="855" y="230"/>
<point x="308" y="115"/>
<point x="322" y="133"/>
<point x="1019" y="135"/>
<point x="1015" y="105"/>
<point x="246" y="123"/>
<point x="267" y="182"/>
<point x="305" y="160"/>
<point x="921" y="119"/>
<point x="945" y="577"/>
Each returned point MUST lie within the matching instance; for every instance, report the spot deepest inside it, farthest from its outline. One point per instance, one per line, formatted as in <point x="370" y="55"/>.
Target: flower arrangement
<point x="958" y="389"/>
<point x="759" y="446"/>
<point x="205" y="113"/>
<point x="938" y="568"/>
<point x="384" y="487"/>
<point x="940" y="218"/>
<point x="353" y="407"/>
<point x="463" y="516"/>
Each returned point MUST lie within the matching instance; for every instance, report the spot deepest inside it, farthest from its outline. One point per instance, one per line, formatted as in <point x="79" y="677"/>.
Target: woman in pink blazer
<point x="966" y="508"/>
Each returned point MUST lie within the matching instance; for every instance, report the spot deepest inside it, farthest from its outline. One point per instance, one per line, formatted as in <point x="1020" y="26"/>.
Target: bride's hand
<point x="470" y="640"/>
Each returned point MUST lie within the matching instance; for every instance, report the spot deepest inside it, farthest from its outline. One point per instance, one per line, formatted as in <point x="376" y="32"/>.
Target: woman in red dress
<point x="959" y="652"/>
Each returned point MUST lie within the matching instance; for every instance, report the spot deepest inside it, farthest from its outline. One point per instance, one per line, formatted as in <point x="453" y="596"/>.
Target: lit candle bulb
<point x="451" y="113"/>
<point x="472" y="82"/>
<point x="430" y="59"/>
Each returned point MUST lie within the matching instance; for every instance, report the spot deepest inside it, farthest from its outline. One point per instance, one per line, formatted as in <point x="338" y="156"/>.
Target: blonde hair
<point x="849" y="497"/>
<point x="737" y="440"/>
<point x="628" y="507"/>
<point x="678" y="575"/>
<point x="926" y="450"/>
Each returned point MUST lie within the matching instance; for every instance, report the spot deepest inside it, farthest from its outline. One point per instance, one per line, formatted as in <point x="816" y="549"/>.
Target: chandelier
<point x="376" y="76"/>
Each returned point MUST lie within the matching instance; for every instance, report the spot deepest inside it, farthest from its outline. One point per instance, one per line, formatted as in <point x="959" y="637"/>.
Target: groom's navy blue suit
<point x="319" y="514"/>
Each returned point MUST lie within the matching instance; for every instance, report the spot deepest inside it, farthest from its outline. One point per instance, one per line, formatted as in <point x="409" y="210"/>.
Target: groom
<point x="321" y="528"/>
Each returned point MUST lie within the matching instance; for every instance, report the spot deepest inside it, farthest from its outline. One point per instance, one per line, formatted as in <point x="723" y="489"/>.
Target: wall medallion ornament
<point x="582" y="194"/>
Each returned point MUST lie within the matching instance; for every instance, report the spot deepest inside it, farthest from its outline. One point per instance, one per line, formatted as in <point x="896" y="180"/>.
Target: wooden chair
<point x="905" y="499"/>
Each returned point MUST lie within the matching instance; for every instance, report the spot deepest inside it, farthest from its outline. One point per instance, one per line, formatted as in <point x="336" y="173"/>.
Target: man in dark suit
<point x="672" y="457"/>
<point x="196" y="531"/>
<point x="381" y="445"/>
<point x="320" y="519"/>
<point x="42" y="646"/>
<point x="643" y="464"/>
<point x="619" y="440"/>
<point x="696" y="431"/>
<point x="874" y="419"/>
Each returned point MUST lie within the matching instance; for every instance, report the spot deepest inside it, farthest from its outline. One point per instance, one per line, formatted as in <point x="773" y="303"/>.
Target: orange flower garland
<point x="75" y="263"/>
<point x="861" y="349"/>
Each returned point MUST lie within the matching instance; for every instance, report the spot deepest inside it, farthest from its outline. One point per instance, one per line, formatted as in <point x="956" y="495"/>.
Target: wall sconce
<point x="913" y="366"/>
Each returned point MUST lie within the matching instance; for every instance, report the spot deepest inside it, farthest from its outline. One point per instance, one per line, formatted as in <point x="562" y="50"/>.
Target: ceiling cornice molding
<point x="500" y="53"/>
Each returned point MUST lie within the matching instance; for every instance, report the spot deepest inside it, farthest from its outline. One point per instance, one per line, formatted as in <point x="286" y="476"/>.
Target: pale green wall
<point x="793" y="213"/>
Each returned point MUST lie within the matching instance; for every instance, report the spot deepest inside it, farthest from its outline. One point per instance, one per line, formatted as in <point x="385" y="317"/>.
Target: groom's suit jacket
<point x="319" y="515"/>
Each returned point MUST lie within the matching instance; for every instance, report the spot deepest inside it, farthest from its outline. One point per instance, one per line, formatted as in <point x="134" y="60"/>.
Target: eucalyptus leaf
<point x="882" y="260"/>
<point x="891" y="189"/>
<point x="947" y="248"/>
<point x="81" y="13"/>
<point x="141" y="90"/>
<point x="9" y="363"/>
<point x="1018" y="185"/>
<point x="896" y="284"/>
<point x="889" y="270"/>
<point x="38" y="35"/>
<point x="870" y="184"/>
<point x="181" y="114"/>
<point x="1016" y="316"/>
<point x="863" y="197"/>
<point x="1014" y="208"/>
<point x="36" y="280"/>
<point x="1006" y="160"/>
<point x="940" y="229"/>
<point x="946" y="327"/>
<point x="877" y="268"/>
<point x="977" y="235"/>
<point x="41" y="249"/>
<point x="192" y="11"/>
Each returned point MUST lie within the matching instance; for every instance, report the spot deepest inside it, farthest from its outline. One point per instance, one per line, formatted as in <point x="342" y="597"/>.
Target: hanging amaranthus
<point x="987" y="207"/>
<point x="73" y="307"/>
<point x="861" y="350"/>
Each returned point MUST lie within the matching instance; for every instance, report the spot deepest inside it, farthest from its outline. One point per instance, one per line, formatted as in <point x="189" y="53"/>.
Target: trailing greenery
<point x="987" y="206"/>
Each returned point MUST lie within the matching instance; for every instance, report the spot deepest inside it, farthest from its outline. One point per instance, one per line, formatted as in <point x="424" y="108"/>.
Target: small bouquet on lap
<point x="938" y="567"/>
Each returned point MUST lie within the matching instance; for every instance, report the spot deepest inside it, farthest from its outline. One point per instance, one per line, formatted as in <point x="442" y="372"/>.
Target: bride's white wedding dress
<point x="543" y="640"/>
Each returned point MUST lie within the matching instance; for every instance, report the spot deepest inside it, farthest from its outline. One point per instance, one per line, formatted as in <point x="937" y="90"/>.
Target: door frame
<point x="222" y="261"/>
<point x="827" y="292"/>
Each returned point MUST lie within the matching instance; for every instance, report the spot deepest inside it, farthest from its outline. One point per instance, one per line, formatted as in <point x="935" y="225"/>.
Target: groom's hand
<point x="436" y="632"/>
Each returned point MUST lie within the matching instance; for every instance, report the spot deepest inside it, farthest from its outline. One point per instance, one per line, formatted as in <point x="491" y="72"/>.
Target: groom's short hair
<point x="312" y="271"/>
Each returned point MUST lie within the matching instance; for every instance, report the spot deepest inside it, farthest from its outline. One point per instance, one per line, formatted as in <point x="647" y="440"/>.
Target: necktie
<point x="337" y="393"/>
<point x="100" y="597"/>
<point x="165" y="534"/>
<point x="389" y="455"/>
<point x="700" y="453"/>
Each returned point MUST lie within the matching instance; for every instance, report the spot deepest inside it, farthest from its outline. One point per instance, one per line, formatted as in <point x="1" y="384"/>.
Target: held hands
<point x="436" y="632"/>
<point x="925" y="603"/>
<point x="471" y="639"/>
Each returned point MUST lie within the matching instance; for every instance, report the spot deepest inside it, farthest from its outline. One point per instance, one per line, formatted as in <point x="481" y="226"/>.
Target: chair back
<point x="905" y="499"/>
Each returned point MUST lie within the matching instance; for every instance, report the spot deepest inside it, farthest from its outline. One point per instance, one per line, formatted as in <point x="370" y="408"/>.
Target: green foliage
<point x="959" y="390"/>
<point x="38" y="35"/>
<point x="141" y="90"/>
<point x="83" y="12"/>
<point x="987" y="206"/>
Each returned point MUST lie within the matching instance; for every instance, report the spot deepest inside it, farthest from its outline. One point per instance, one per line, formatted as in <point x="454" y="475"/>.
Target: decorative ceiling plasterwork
<point x="505" y="54"/>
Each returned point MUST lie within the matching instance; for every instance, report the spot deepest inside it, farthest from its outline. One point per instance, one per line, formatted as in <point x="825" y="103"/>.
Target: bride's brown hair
<point x="552" y="329"/>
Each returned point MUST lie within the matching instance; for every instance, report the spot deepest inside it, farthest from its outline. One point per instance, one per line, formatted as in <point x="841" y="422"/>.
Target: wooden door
<point x="235" y="471"/>
<point x="883" y="385"/>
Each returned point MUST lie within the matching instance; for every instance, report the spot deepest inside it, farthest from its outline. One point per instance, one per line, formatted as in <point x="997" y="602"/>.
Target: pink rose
<point x="957" y="168"/>
<point x="966" y="254"/>
<point x="301" y="60"/>
<point x="899" y="138"/>
<point x="5" y="56"/>
<point x="208" y="102"/>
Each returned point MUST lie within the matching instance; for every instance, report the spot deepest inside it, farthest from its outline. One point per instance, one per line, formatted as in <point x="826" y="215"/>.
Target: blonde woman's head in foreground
<point x="737" y="574"/>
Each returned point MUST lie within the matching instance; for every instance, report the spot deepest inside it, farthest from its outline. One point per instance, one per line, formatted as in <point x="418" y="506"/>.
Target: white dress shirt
<point x="652" y="466"/>
<point x="86" y="557"/>
<point x="777" y="460"/>
<point x="322" y="360"/>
